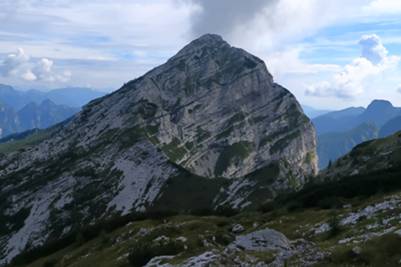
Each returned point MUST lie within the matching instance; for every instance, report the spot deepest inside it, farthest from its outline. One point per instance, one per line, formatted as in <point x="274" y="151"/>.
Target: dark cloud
<point x="223" y="16"/>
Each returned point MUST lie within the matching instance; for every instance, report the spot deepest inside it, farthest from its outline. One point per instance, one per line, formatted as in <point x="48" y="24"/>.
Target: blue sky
<point x="329" y="53"/>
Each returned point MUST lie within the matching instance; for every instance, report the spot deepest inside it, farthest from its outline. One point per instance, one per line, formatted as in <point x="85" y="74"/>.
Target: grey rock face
<point x="211" y="114"/>
<point x="220" y="114"/>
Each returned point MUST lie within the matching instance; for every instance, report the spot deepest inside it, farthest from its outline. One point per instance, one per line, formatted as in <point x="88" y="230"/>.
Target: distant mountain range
<point x="312" y="112"/>
<point x="32" y="116"/>
<point x="333" y="145"/>
<point x="390" y="127"/>
<point x="72" y="97"/>
<point x="339" y="131"/>
<point x="24" y="110"/>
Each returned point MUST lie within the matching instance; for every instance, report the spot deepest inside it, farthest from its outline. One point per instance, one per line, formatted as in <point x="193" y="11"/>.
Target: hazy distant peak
<point x="380" y="104"/>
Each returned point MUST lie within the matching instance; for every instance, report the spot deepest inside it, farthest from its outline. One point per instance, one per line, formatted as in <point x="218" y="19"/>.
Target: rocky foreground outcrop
<point x="207" y="129"/>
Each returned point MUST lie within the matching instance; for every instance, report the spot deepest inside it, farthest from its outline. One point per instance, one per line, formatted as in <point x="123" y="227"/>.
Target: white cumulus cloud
<point x="21" y="66"/>
<point x="373" y="49"/>
<point x="13" y="63"/>
<point x="28" y="75"/>
<point x="350" y="81"/>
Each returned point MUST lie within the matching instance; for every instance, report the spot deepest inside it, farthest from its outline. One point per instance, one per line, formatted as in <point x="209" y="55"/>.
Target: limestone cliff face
<point x="218" y="112"/>
<point x="209" y="123"/>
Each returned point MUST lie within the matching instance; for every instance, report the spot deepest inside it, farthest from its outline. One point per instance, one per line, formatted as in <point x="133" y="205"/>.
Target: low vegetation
<point x="334" y="194"/>
<point x="239" y="151"/>
<point x="135" y="239"/>
<point x="380" y="251"/>
<point x="18" y="144"/>
<point x="141" y="253"/>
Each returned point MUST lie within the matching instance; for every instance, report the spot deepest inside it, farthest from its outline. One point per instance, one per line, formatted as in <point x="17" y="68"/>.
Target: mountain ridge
<point x="31" y="116"/>
<point x="71" y="96"/>
<point x="334" y="129"/>
<point x="367" y="157"/>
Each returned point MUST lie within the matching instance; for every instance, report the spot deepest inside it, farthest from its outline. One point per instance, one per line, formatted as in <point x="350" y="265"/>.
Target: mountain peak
<point x="379" y="104"/>
<point x="211" y="53"/>
<point x="208" y="40"/>
<point x="205" y="42"/>
<point x="47" y="102"/>
<point x="6" y="88"/>
<point x="210" y="37"/>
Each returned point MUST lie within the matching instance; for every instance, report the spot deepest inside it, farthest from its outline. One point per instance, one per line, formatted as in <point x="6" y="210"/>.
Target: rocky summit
<point x="207" y="129"/>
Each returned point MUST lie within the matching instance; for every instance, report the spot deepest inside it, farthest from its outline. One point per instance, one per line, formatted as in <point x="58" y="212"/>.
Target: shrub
<point x="142" y="253"/>
<point x="343" y="256"/>
<point x="226" y="211"/>
<point x="104" y="238"/>
<point x="267" y="207"/>
<point x="334" y="223"/>
<point x="382" y="251"/>
<point x="222" y="223"/>
<point x="330" y="194"/>
<point x="329" y="203"/>
<point x="223" y="238"/>
<point x="50" y="263"/>
<point x="295" y="206"/>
